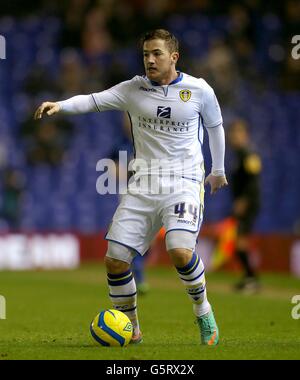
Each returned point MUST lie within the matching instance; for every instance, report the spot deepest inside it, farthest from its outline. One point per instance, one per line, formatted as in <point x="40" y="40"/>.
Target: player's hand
<point x="215" y="182"/>
<point x="49" y="107"/>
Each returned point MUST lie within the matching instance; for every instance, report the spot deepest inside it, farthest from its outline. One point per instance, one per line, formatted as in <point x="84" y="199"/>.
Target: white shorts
<point x="140" y="215"/>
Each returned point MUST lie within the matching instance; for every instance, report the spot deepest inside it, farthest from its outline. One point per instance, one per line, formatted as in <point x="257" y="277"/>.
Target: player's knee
<point x="181" y="239"/>
<point x="180" y="257"/>
<point x="114" y="266"/>
<point x="118" y="258"/>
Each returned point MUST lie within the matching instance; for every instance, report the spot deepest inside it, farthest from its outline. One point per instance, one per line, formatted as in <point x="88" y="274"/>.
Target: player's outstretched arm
<point x="77" y="105"/>
<point x="50" y="108"/>
<point x="114" y="98"/>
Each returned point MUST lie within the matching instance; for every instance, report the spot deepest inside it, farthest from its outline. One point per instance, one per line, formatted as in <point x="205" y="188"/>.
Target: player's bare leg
<point x="191" y="271"/>
<point x="122" y="291"/>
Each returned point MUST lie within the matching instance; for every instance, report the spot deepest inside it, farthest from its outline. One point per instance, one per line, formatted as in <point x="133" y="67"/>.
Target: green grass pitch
<point x="48" y="316"/>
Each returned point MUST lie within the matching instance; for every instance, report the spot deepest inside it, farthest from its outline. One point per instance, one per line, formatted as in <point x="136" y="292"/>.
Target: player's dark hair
<point x="162" y="34"/>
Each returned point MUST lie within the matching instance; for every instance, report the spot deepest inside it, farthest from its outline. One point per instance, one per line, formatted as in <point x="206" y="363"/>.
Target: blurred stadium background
<point x="50" y="212"/>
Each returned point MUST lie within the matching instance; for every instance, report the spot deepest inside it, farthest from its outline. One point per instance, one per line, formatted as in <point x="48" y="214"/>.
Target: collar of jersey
<point x="178" y="79"/>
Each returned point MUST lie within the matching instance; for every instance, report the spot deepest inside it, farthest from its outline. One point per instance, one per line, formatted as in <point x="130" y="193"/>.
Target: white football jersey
<point x="167" y="122"/>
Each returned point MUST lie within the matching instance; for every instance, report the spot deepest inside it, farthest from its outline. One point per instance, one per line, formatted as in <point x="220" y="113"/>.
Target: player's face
<point x="159" y="62"/>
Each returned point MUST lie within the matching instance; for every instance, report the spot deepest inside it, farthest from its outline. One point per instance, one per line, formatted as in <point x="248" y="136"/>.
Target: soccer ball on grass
<point x="111" y="328"/>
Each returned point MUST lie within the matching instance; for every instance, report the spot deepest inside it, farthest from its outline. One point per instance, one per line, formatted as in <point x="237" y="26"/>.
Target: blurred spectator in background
<point x="244" y="181"/>
<point x="290" y="75"/>
<point x="221" y="71"/>
<point x="72" y="75"/>
<point x="122" y="22"/>
<point x="95" y="37"/>
<point x="239" y="22"/>
<point x="244" y="54"/>
<point x="291" y="18"/>
<point x="47" y="143"/>
<point x="39" y="80"/>
<point x="73" y="22"/>
<point x="10" y="206"/>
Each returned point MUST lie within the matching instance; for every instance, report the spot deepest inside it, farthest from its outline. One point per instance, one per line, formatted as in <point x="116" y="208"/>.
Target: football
<point x="111" y="328"/>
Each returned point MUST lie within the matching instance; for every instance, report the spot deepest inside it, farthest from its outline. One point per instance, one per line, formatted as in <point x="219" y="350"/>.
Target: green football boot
<point x="208" y="329"/>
